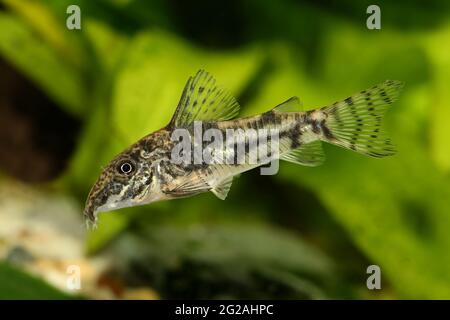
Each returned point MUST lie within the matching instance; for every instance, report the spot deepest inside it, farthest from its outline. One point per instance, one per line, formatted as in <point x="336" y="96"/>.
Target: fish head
<point x="124" y="182"/>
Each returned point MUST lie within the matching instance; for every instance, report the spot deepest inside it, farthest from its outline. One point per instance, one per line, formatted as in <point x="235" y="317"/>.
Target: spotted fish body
<point x="145" y="172"/>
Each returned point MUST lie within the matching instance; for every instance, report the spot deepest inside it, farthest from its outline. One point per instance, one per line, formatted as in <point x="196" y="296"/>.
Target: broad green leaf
<point x="53" y="30"/>
<point x="107" y="44"/>
<point x="438" y="49"/>
<point x="38" y="61"/>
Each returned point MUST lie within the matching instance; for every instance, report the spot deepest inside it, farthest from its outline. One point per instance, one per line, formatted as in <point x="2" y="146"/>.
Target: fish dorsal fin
<point x="222" y="189"/>
<point x="291" y="105"/>
<point x="203" y="100"/>
<point x="310" y="154"/>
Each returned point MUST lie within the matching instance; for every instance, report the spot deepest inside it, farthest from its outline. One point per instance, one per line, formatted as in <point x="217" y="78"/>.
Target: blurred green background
<point x="70" y="100"/>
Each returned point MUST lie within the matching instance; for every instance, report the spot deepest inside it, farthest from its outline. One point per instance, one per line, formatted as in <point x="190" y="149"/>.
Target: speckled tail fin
<point x="355" y="123"/>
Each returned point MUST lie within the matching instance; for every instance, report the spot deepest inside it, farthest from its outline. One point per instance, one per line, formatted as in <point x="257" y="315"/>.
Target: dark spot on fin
<point x="326" y="131"/>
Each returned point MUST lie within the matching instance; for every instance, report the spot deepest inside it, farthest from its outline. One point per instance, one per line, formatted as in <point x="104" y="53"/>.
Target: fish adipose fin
<point x="355" y="123"/>
<point x="203" y="100"/>
<point x="310" y="154"/>
<point x="291" y="105"/>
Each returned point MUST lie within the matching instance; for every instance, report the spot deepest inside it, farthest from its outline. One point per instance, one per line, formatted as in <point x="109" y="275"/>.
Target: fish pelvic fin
<point x="355" y="123"/>
<point x="222" y="189"/>
<point x="310" y="154"/>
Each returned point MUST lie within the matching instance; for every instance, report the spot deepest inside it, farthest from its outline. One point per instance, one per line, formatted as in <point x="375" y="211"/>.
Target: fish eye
<point x="125" y="167"/>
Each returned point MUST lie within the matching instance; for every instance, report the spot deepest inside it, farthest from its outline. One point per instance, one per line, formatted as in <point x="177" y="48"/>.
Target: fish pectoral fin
<point x="203" y="100"/>
<point x="291" y="105"/>
<point x="189" y="187"/>
<point x="310" y="154"/>
<point x="221" y="190"/>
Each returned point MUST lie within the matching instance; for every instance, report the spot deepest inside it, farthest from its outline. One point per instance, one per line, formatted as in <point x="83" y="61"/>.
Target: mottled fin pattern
<point x="203" y="100"/>
<point x="355" y="123"/>
<point x="310" y="154"/>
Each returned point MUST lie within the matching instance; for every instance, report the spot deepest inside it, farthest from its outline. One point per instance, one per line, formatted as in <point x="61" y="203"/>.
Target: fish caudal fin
<point x="355" y="123"/>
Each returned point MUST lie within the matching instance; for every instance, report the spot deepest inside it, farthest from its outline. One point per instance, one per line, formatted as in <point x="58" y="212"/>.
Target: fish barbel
<point x="159" y="167"/>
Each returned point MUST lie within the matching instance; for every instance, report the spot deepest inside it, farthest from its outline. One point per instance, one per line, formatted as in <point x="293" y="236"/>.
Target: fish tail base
<point x="355" y="123"/>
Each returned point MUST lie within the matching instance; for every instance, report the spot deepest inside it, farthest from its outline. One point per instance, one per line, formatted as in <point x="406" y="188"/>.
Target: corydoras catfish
<point x="156" y="167"/>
